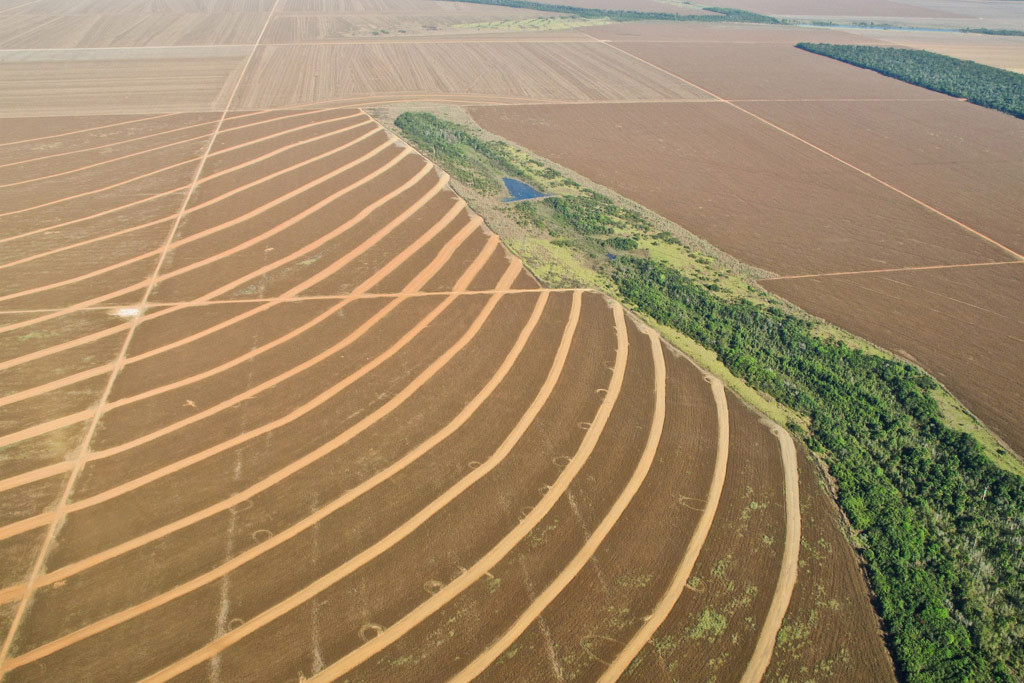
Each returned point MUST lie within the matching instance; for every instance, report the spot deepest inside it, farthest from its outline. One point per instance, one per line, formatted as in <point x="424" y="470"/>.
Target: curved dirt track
<point x="330" y="362"/>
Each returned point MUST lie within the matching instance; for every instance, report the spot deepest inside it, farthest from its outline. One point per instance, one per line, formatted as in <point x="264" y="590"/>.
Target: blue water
<point x="520" y="191"/>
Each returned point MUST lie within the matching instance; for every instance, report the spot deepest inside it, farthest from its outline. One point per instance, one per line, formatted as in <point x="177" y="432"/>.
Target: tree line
<point x="987" y="86"/>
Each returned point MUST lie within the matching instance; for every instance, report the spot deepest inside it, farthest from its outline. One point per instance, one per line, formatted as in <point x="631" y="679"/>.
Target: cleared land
<point x="117" y="81"/>
<point x="756" y="193"/>
<point x="809" y="187"/>
<point x="286" y="74"/>
<point x="255" y="363"/>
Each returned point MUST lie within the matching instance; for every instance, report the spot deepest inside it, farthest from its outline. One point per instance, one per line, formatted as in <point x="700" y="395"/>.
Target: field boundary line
<point x="83" y="449"/>
<point x="824" y="151"/>
<point x="890" y="270"/>
<point x="216" y="646"/>
<point x="758" y="663"/>
<point x="682" y="575"/>
<point x="528" y="523"/>
<point x="322" y="513"/>
<point x="597" y="536"/>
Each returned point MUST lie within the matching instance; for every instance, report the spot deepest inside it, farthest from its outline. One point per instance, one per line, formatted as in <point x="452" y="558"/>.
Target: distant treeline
<point x="985" y="85"/>
<point x="994" y="31"/>
<point x="720" y="13"/>
<point x="940" y="527"/>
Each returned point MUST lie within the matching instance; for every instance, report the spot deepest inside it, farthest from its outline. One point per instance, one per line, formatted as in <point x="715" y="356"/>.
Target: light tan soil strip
<point x="399" y="533"/>
<point x="79" y="461"/>
<point x="518" y="533"/>
<point x="890" y="270"/>
<point x="133" y="179"/>
<point x="380" y="477"/>
<point x="241" y="438"/>
<point x="173" y="130"/>
<point x="140" y="177"/>
<point x="211" y="122"/>
<point x="762" y="656"/>
<point x="106" y="161"/>
<point x="220" y="255"/>
<point x="813" y="146"/>
<point x="219" y="198"/>
<point x="215" y="229"/>
<point x="700" y="534"/>
<point x="58" y="423"/>
<point x="555" y="588"/>
<point x="412" y="287"/>
<point x="86" y="130"/>
<point x="14" y="592"/>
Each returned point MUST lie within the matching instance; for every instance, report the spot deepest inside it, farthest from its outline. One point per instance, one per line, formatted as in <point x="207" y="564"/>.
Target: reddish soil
<point x="315" y="424"/>
<point x="963" y="324"/>
<point x="960" y="158"/>
<point x="752" y="191"/>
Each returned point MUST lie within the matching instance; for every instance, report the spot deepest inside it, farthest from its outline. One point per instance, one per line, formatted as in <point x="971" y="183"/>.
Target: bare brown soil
<point x="842" y="8"/>
<point x="963" y="324"/>
<point x="754" y="192"/>
<point x="957" y="157"/>
<point x="51" y="84"/>
<point x="346" y="430"/>
<point x="288" y="74"/>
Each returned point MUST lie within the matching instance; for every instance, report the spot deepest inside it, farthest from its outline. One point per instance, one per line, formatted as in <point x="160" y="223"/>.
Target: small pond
<point x="520" y="191"/>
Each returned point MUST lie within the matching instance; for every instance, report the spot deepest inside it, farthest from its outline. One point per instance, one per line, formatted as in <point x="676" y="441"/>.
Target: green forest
<point x="939" y="526"/>
<point x="720" y="13"/>
<point x="985" y="85"/>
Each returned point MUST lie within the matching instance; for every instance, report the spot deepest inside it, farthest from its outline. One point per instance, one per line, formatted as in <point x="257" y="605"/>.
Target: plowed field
<point x="295" y="413"/>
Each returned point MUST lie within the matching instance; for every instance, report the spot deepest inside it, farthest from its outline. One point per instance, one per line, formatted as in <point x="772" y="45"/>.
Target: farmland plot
<point x="315" y="351"/>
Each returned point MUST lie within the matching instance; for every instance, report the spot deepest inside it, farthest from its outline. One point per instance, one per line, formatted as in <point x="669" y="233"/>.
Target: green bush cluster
<point x="985" y="85"/>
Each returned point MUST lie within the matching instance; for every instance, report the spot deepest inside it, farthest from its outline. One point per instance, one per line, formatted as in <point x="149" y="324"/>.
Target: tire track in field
<point x="343" y="570"/>
<point x="307" y="522"/>
<point x="762" y="655"/>
<point x="580" y="560"/>
<point x="482" y="566"/>
<point x="299" y="411"/>
<point x="675" y="589"/>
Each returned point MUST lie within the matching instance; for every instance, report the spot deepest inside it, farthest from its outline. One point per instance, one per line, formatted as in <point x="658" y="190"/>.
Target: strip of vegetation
<point x="994" y="31"/>
<point x="720" y="13"/>
<point x="939" y="526"/>
<point x="985" y="85"/>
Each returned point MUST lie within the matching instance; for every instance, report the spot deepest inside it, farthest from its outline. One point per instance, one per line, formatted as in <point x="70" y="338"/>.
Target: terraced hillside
<point x="276" y="403"/>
